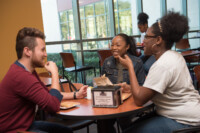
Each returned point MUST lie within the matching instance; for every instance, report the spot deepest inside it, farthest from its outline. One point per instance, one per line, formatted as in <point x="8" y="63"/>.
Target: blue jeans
<point x="48" y="127"/>
<point x="155" y="124"/>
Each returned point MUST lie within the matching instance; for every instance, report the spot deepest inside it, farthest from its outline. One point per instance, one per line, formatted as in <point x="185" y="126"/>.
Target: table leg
<point x="106" y="126"/>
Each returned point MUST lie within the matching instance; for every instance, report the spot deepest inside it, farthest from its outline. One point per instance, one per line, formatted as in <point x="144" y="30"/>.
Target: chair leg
<point x="76" y="76"/>
<point x="83" y="77"/>
<point x="94" y="72"/>
<point x="88" y="129"/>
<point x="118" y="130"/>
<point x="63" y="71"/>
<point x="61" y="86"/>
<point x="99" y="69"/>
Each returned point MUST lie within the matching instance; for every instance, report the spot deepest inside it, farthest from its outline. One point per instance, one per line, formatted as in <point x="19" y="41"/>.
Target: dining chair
<point x="103" y="54"/>
<point x="197" y="74"/>
<point x="48" y="75"/>
<point x="69" y="65"/>
<point x="73" y="124"/>
<point x="184" y="45"/>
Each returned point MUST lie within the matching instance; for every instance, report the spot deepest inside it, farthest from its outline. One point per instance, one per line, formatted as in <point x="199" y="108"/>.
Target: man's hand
<point x="51" y="67"/>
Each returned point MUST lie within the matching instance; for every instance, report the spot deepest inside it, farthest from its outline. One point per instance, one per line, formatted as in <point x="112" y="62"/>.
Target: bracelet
<point x="75" y="95"/>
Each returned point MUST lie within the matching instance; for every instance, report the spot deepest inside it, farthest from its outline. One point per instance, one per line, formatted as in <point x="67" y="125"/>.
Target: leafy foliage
<point x="90" y="58"/>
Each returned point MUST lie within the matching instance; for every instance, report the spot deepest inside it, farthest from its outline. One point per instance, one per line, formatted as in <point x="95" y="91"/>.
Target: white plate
<point x="68" y="105"/>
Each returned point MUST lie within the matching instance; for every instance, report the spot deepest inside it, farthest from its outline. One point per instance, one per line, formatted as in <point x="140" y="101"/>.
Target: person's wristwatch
<point x="75" y="95"/>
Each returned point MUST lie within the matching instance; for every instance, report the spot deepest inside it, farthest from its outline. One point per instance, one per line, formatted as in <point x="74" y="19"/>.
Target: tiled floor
<point x="92" y="129"/>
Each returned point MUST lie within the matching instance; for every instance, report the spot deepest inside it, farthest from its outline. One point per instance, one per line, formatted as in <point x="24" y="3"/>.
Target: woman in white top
<point x="168" y="83"/>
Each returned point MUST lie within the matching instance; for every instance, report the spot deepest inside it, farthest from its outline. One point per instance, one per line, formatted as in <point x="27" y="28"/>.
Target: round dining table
<point x="86" y="111"/>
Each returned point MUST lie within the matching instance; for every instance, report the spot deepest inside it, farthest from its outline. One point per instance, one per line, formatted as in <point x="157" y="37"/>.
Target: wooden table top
<point x="86" y="111"/>
<point x="190" y="53"/>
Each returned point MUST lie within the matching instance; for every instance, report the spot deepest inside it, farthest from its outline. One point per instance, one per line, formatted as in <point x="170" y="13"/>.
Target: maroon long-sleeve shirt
<point x="20" y="92"/>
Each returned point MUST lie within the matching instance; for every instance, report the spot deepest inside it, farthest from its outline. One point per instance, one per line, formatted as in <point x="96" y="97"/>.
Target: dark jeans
<point x="48" y="127"/>
<point x="123" y="122"/>
<point x="154" y="123"/>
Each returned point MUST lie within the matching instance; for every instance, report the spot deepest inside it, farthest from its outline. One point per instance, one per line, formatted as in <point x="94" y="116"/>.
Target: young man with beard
<point x="21" y="89"/>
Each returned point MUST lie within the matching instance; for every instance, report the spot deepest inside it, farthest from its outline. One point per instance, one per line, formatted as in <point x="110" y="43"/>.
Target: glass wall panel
<point x="70" y="14"/>
<point x="94" y="18"/>
<point x="101" y="26"/>
<point x="99" y="8"/>
<point x="124" y="4"/>
<point x="104" y="44"/>
<point x="123" y="16"/>
<point x="82" y="11"/>
<point x="64" y="30"/>
<point x="91" y="58"/>
<point x="91" y="28"/>
<point x="193" y="14"/>
<point x="92" y="45"/>
<point x="83" y="28"/>
<point x="194" y="22"/>
<point x="71" y="31"/>
<point x="89" y="10"/>
<point x="152" y="8"/>
<point x="175" y="5"/>
<point x="67" y="25"/>
<point x="89" y="45"/>
<point x="59" y="23"/>
<point x="125" y="20"/>
<point x="63" y="17"/>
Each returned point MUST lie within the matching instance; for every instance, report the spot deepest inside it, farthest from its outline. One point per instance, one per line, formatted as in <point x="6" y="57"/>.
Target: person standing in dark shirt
<point x="143" y="26"/>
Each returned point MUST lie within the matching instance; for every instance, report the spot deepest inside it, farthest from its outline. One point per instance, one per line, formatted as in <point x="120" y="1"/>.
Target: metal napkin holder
<point x="106" y="96"/>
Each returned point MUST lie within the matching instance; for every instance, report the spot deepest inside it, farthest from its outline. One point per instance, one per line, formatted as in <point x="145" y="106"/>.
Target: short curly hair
<point x="26" y="37"/>
<point x="171" y="28"/>
<point x="143" y="18"/>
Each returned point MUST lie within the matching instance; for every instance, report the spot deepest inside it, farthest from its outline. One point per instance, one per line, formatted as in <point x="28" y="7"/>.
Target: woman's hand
<point x="126" y="61"/>
<point x="125" y="87"/>
<point x="82" y="92"/>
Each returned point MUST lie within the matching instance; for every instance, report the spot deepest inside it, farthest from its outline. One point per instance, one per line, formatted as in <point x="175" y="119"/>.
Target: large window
<point x="67" y="25"/>
<point x="175" y="6"/>
<point x="193" y="13"/>
<point x="94" y="22"/>
<point x="123" y="16"/>
<point x="83" y="26"/>
<point x="154" y="11"/>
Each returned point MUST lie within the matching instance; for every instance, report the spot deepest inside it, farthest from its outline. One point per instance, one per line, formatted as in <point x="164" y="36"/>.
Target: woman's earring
<point x="156" y="45"/>
<point x="153" y="45"/>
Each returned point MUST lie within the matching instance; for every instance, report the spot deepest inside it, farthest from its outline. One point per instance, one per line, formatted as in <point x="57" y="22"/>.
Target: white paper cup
<point x="89" y="93"/>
